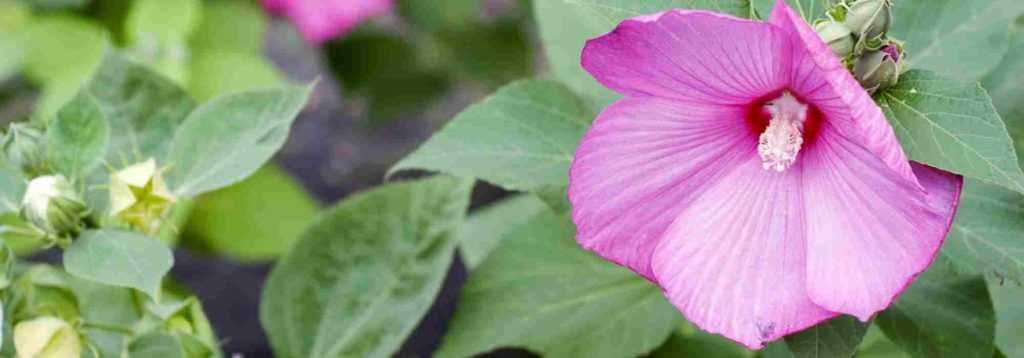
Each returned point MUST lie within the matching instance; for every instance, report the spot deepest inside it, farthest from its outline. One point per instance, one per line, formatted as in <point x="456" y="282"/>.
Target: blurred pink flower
<point x="750" y="176"/>
<point x="322" y="20"/>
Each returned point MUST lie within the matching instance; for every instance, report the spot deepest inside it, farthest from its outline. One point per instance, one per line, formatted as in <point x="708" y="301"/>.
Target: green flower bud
<point x="52" y="205"/>
<point x="46" y="337"/>
<point x="878" y="70"/>
<point x="139" y="196"/>
<point x="869" y="19"/>
<point x="23" y="146"/>
<point x="837" y="36"/>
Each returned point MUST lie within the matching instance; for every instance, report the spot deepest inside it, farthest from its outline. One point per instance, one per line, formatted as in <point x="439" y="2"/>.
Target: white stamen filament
<point x="780" y="143"/>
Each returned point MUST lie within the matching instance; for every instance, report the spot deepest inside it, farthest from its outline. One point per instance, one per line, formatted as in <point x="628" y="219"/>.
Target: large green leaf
<point x="143" y="109"/>
<point x="837" y="337"/>
<point x="987" y="235"/>
<point x="119" y="258"/>
<point x="540" y="291"/>
<point x="257" y="219"/>
<point x="810" y="10"/>
<point x="485" y="229"/>
<point x="522" y="137"/>
<point x="1009" y="317"/>
<point x="961" y="39"/>
<point x="360" y="278"/>
<point x="876" y="345"/>
<point x="77" y="139"/>
<point x="566" y="25"/>
<point x="942" y="314"/>
<point x="952" y="125"/>
<point x="229" y="138"/>
<point x="1006" y="83"/>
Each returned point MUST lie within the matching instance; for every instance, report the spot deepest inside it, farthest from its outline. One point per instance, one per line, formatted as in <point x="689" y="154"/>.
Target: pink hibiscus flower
<point x="322" y="20"/>
<point x="750" y="176"/>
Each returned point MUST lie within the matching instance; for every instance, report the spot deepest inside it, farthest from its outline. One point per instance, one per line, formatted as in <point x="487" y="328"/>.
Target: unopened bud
<point x="139" y="196"/>
<point x="46" y="337"/>
<point x="837" y="36"/>
<point x="869" y="19"/>
<point x="52" y="205"/>
<point x="878" y="70"/>
<point x="23" y="146"/>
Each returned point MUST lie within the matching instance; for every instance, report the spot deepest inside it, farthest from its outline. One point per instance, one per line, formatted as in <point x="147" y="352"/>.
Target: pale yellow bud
<point x="46" y="337"/>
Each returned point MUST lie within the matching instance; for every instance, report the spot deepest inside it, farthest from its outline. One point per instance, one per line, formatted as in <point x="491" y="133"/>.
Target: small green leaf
<point x="156" y="345"/>
<point x="942" y="315"/>
<point x="12" y="189"/>
<point x="360" y="278"/>
<point x="876" y="345"/>
<point x="143" y="109"/>
<point x="77" y="139"/>
<point x="485" y="229"/>
<point x="953" y="126"/>
<point x="540" y="291"/>
<point x="521" y="138"/>
<point x="961" y="39"/>
<point x="229" y="138"/>
<point x="119" y="258"/>
<point x="837" y="337"/>
<point x="257" y="219"/>
<point x="564" y="39"/>
<point x="986" y="236"/>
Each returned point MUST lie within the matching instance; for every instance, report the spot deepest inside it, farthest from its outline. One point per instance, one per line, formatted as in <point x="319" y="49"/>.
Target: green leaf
<point x="485" y="229"/>
<point x="837" y="337"/>
<point x="540" y="291"/>
<point x="492" y="54"/>
<point x="12" y="189"/>
<point x="214" y="73"/>
<point x="438" y="14"/>
<point x="229" y="138"/>
<point x="13" y="18"/>
<point x="402" y="91"/>
<point x="143" y="109"/>
<point x="942" y="315"/>
<point x="986" y="236"/>
<point x="62" y="51"/>
<point x="257" y="219"/>
<point x="154" y="22"/>
<point x="119" y="258"/>
<point x="964" y="39"/>
<point x="77" y="139"/>
<point x="1006" y="299"/>
<point x="951" y="125"/>
<point x="810" y="10"/>
<point x="566" y="25"/>
<point x="876" y="345"/>
<point x="689" y="341"/>
<point x="51" y="5"/>
<point x="1006" y="83"/>
<point x="360" y="278"/>
<point x="230" y="26"/>
<point x="521" y="138"/>
<point x="156" y="345"/>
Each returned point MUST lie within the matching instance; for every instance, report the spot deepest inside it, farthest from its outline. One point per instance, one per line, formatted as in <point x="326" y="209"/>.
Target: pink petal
<point x="819" y="77"/>
<point x="690" y="55"/>
<point x="734" y="260"/>
<point x="645" y="160"/>
<point x="322" y="20"/>
<point x="869" y="231"/>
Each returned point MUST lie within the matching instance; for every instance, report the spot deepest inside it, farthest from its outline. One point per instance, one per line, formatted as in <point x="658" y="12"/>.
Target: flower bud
<point x="23" y="146"/>
<point x="139" y="196"/>
<point x="869" y="19"/>
<point x="46" y="337"/>
<point x="877" y="70"/>
<point x="52" y="205"/>
<point x="837" y="36"/>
